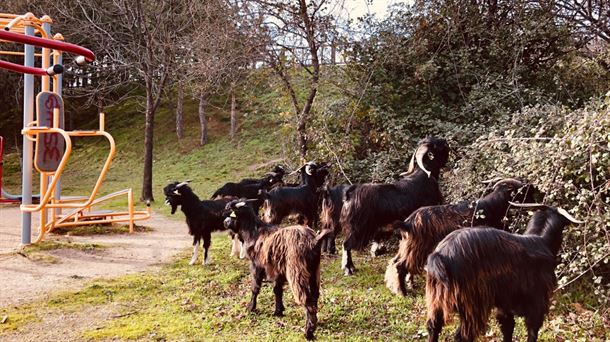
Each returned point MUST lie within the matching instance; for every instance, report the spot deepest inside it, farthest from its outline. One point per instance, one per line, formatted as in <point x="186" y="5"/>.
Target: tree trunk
<point x="233" y="113"/>
<point x="179" y="111"/>
<point x="147" y="193"/>
<point x="203" y="122"/>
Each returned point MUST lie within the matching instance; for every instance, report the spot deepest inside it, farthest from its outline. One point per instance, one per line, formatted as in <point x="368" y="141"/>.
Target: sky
<point x="358" y="8"/>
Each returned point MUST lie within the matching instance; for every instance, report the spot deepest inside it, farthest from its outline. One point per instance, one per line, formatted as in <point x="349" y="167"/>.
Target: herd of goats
<point x="472" y="263"/>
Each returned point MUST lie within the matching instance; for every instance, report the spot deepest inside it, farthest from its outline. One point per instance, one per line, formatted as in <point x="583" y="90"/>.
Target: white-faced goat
<point x="474" y="270"/>
<point x="290" y="254"/>
<point x="427" y="226"/>
<point x="202" y="217"/>
<point x="369" y="207"/>
<point x="330" y="214"/>
<point x="303" y="200"/>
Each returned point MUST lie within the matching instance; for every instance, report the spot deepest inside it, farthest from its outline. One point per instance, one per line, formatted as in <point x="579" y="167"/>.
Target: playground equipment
<point x="5" y="196"/>
<point x="53" y="142"/>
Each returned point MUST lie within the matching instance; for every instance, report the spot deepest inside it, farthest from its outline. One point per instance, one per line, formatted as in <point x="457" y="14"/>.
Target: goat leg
<point x="435" y="325"/>
<point x="533" y="324"/>
<point x="330" y="244"/>
<point x="507" y="324"/>
<point x="346" y="261"/>
<point x="312" y="321"/>
<point x="195" y="250"/>
<point x="235" y="245"/>
<point x="278" y="291"/>
<point x="258" y="274"/>
<point x="207" y="241"/>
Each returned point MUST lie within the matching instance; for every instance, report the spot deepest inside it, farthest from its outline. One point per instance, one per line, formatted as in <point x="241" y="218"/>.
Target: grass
<point x="100" y="229"/>
<point x="183" y="302"/>
<point x="36" y="252"/>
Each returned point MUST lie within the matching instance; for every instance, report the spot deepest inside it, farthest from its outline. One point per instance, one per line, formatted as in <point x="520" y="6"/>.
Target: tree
<point x="218" y="52"/>
<point x="296" y="30"/>
<point x="135" y="38"/>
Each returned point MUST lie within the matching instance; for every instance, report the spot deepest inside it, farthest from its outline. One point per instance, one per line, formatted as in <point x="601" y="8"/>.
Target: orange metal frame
<point x="81" y="212"/>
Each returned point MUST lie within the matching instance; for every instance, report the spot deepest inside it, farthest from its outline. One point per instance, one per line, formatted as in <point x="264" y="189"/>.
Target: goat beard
<point x="174" y="207"/>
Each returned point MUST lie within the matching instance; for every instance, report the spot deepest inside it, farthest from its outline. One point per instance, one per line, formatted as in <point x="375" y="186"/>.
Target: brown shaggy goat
<point x="290" y="254"/>
<point x="474" y="270"/>
<point x="427" y="226"/>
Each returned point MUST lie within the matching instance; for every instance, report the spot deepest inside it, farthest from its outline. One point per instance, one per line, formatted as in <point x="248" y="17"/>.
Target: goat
<point x="304" y="199"/>
<point x="474" y="270"/>
<point x="202" y="217"/>
<point x="427" y="226"/>
<point x="330" y="213"/>
<point x="249" y="187"/>
<point x="290" y="254"/>
<point x="368" y="207"/>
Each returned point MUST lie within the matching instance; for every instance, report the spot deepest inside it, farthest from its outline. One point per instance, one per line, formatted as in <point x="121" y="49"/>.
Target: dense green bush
<point x="566" y="153"/>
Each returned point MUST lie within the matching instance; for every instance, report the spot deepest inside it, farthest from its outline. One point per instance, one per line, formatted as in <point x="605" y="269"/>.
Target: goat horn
<point x="419" y="155"/>
<point x="240" y="204"/>
<point x="183" y="183"/>
<point x="402" y="174"/>
<point x="308" y="168"/>
<point x="411" y="164"/>
<point x="509" y="180"/>
<point x="567" y="215"/>
<point x="528" y="205"/>
<point x="493" y="180"/>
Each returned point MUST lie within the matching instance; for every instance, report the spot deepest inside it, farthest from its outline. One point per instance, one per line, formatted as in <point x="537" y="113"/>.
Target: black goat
<point x="249" y="187"/>
<point x="368" y="207"/>
<point x="330" y="214"/>
<point x="427" y="226"/>
<point x="202" y="217"/>
<point x="474" y="270"/>
<point x="290" y="254"/>
<point x="304" y="199"/>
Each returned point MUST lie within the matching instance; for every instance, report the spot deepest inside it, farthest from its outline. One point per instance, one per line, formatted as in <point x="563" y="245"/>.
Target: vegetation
<point x="182" y="302"/>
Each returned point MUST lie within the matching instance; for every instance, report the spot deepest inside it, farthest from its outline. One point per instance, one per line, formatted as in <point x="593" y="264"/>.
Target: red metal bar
<point x="48" y="43"/>
<point x="23" y="69"/>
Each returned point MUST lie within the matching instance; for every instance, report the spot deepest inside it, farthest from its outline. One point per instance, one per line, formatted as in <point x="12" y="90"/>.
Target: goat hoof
<point x="309" y="336"/>
<point x="349" y="271"/>
<point x="277" y="313"/>
<point x="192" y="262"/>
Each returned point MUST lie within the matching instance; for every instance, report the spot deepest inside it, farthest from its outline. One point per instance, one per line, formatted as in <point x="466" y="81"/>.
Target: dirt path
<point x="23" y="280"/>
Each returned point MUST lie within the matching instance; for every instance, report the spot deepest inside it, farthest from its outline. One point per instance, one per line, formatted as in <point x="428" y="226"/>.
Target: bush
<point x="566" y="153"/>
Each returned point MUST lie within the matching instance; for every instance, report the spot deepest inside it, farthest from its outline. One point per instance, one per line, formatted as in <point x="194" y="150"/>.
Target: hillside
<point x="252" y="152"/>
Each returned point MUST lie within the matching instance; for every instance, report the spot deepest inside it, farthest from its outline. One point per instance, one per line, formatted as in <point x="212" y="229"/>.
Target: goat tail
<point x="440" y="299"/>
<point x="299" y="279"/>
<point x="391" y="277"/>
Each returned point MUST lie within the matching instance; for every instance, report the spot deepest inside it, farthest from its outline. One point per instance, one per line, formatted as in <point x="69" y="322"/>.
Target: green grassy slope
<point x="253" y="152"/>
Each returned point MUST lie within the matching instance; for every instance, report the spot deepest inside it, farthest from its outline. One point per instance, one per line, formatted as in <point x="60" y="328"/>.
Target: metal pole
<point x="58" y="89"/>
<point x="44" y="86"/>
<point x="28" y="116"/>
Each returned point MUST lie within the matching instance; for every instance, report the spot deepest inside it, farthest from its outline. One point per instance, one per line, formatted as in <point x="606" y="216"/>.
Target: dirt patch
<point x="25" y="280"/>
<point x="66" y="326"/>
